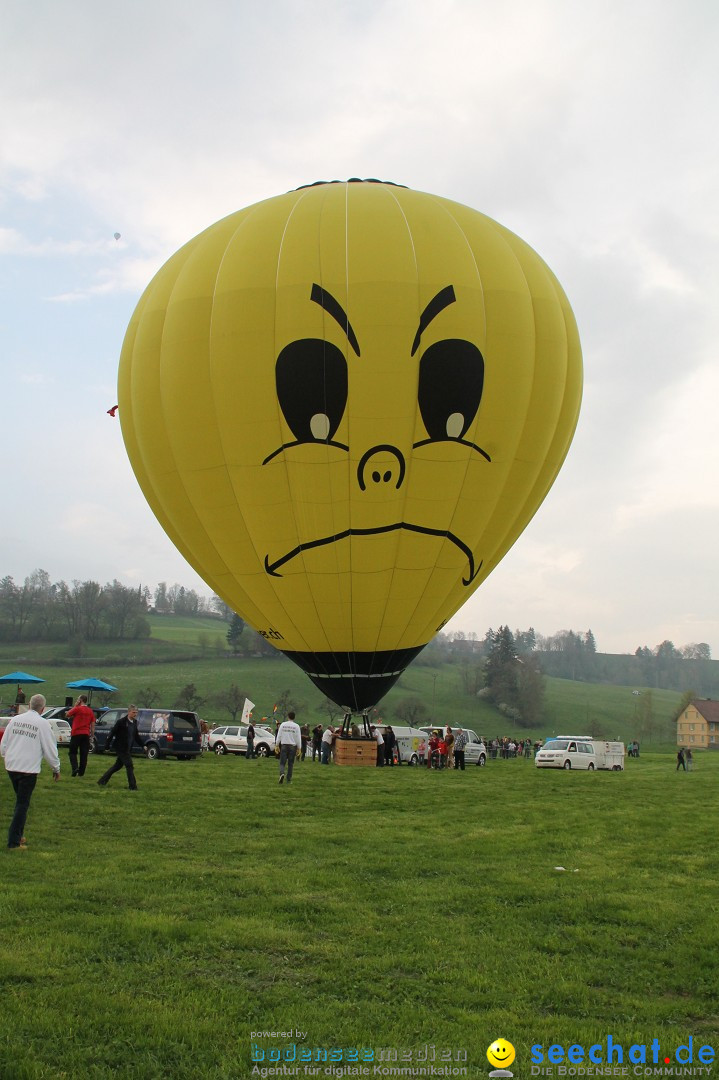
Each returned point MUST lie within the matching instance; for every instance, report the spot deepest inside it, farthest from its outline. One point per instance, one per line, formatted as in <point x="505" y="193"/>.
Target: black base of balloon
<point x="355" y="681"/>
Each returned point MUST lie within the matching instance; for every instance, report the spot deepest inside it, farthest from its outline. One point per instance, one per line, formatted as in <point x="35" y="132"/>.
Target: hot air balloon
<point x="117" y="235"/>
<point x="344" y="404"/>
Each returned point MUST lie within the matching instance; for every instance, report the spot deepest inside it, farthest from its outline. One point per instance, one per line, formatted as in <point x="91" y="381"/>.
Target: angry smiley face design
<point x="312" y="390"/>
<point x="344" y="405"/>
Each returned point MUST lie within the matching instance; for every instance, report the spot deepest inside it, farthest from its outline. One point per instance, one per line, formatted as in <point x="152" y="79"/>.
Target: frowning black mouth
<point x="272" y="568"/>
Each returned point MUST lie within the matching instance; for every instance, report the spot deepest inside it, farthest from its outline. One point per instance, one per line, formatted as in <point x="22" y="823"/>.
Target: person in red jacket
<point x="82" y="719"/>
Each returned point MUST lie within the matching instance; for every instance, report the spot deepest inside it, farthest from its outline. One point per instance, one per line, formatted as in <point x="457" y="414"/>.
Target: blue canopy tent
<point x="20" y="677"/>
<point x="16" y="678"/>
<point x="90" y="685"/>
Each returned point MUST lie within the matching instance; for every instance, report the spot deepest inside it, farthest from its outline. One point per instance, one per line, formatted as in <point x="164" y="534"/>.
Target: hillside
<point x="193" y="650"/>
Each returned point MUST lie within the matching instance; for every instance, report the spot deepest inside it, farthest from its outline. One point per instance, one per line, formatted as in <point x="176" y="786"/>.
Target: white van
<point x="567" y="752"/>
<point x="580" y="752"/>
<point x="409" y="740"/>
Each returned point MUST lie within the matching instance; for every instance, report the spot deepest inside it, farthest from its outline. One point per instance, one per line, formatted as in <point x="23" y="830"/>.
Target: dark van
<point x="163" y="732"/>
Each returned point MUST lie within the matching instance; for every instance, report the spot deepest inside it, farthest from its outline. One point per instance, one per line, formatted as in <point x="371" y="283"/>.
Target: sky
<point x="588" y="129"/>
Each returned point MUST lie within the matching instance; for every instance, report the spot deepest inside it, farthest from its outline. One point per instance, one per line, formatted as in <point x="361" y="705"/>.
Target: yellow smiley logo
<point x="500" y="1054"/>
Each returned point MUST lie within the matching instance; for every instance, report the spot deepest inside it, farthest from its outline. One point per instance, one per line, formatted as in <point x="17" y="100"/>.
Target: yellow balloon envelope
<point x="344" y="405"/>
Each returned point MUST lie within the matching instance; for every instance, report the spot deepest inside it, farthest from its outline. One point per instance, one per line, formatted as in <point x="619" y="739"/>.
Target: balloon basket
<point x="357" y="752"/>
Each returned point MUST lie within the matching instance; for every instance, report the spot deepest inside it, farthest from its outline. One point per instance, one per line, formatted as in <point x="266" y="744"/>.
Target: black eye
<point x="451" y="377"/>
<point x="311" y="378"/>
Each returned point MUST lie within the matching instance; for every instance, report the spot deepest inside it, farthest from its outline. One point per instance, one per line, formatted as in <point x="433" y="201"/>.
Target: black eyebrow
<point x="334" y="308"/>
<point x="438" y="303"/>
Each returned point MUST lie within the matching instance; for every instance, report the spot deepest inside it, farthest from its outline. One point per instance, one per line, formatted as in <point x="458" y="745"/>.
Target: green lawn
<point x="188" y="630"/>
<point x="149" y="934"/>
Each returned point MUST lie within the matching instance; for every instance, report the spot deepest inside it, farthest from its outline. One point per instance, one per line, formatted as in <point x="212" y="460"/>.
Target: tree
<point x="232" y="700"/>
<point x="686" y="699"/>
<point x="645" y="660"/>
<point x="185" y="602"/>
<point x="525" y="640"/>
<point x="333" y="711"/>
<point x="697" y="651"/>
<point x="472" y="675"/>
<point x="147" y="697"/>
<point x="122" y="608"/>
<point x="188" y="698"/>
<point x="218" y="605"/>
<point x="82" y="607"/>
<point x="285" y="703"/>
<point x="411" y="710"/>
<point x="530" y="692"/>
<point x="667" y="658"/>
<point x="18" y="603"/>
<point x="8" y="593"/>
<point x="234" y="633"/>
<point x="500" y="669"/>
<point x="162" y="604"/>
<point x="644" y="716"/>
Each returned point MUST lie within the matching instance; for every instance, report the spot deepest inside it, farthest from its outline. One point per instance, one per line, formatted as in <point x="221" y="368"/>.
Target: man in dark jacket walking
<point x="122" y="737"/>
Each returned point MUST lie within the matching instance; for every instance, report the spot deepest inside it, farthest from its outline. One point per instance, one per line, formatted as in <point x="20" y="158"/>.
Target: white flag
<point x="249" y="706"/>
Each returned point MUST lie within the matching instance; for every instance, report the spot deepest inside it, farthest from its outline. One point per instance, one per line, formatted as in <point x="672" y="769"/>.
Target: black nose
<point x="383" y="464"/>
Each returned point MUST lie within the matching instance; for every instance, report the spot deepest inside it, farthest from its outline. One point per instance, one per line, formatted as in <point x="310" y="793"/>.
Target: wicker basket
<point x="355" y="752"/>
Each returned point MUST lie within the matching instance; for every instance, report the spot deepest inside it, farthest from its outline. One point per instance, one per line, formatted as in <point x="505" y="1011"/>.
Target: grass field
<point x="148" y="934"/>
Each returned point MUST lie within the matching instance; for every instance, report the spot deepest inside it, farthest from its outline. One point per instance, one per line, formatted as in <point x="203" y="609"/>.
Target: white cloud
<point x="587" y="128"/>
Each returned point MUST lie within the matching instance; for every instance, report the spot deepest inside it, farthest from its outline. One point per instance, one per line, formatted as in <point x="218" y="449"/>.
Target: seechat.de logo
<point x="614" y="1053"/>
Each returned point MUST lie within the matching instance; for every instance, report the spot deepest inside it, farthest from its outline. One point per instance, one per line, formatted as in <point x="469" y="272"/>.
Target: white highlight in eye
<point x="455" y="423"/>
<point x="320" y="426"/>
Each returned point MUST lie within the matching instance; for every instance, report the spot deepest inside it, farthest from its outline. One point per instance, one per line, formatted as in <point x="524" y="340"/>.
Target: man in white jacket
<point x="289" y="740"/>
<point x="27" y="739"/>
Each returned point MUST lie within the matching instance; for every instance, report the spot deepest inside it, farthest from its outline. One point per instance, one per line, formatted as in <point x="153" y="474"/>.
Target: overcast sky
<point x="590" y="129"/>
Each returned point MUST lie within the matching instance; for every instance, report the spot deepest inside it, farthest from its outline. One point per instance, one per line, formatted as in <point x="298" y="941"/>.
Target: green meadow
<point x="150" y="934"/>
<point x="184" y="651"/>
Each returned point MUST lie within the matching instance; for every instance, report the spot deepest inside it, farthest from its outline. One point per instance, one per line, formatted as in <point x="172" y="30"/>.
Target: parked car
<point x="61" y="730"/>
<point x="163" y="732"/>
<point x="232" y="739"/>
<point x="475" y="752"/>
<point x="59" y="712"/>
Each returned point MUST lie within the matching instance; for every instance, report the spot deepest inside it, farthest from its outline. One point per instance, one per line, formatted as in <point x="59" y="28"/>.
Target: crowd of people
<point x="504" y="746"/>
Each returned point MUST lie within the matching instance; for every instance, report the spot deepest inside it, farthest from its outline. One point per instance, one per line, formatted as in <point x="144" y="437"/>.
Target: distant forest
<point x="571" y="654"/>
<point x="40" y="610"/>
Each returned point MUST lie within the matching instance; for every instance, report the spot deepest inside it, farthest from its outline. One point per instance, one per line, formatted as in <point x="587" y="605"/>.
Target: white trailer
<point x="609" y="755"/>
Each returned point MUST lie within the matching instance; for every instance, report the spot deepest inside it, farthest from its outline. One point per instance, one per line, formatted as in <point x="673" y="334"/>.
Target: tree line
<point x="43" y="610"/>
<point x="506" y="666"/>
